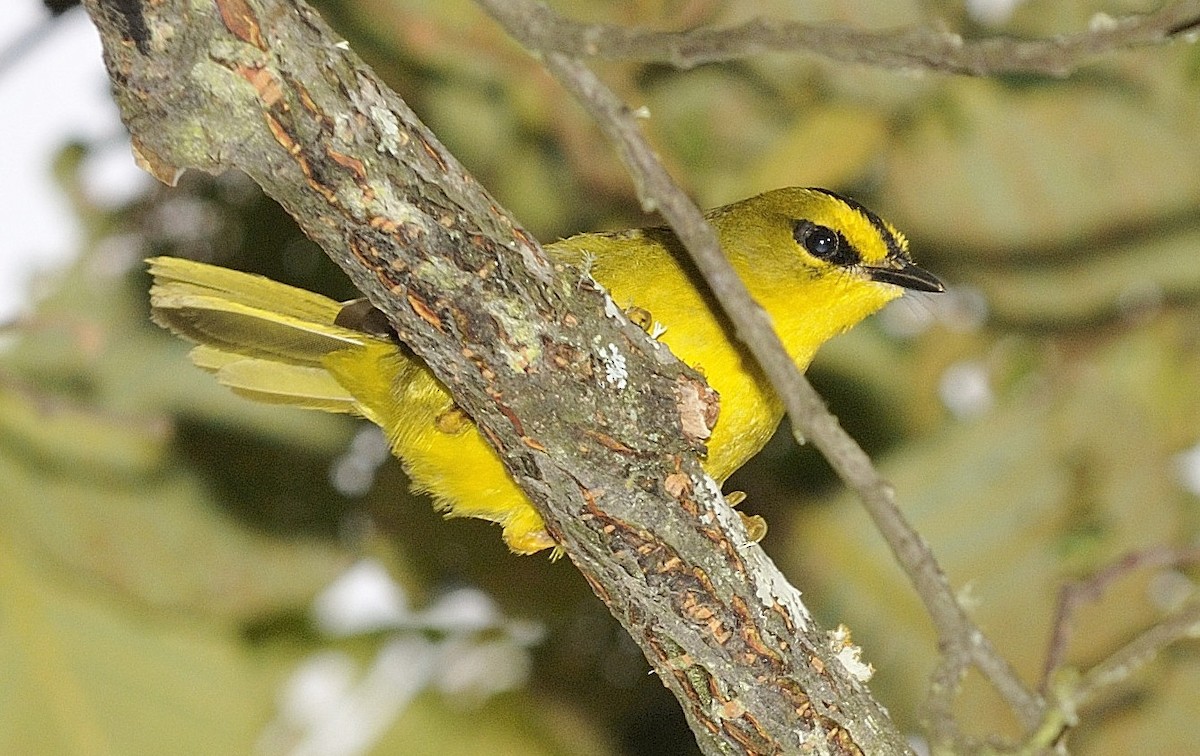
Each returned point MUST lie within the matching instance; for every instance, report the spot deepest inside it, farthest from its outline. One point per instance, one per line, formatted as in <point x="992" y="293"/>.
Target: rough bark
<point x="599" y="424"/>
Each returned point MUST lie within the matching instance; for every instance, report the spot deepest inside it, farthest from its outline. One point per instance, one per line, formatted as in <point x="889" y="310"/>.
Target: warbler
<point x="817" y="262"/>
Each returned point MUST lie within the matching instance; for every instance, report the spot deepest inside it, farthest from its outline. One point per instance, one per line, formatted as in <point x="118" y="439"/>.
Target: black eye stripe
<point x="825" y="244"/>
<point x="894" y="250"/>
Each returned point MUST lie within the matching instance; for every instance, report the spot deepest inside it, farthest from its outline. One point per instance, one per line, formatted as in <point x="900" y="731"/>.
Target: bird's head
<point x="817" y="261"/>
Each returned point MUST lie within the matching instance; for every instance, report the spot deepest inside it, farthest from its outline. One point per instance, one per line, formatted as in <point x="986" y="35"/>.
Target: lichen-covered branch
<point x="920" y="48"/>
<point x="265" y="87"/>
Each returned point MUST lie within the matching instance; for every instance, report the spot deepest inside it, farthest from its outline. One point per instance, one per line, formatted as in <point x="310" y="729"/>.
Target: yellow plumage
<point x="816" y="262"/>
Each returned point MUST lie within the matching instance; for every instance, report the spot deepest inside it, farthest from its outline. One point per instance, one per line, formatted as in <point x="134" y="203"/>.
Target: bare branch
<point x="937" y="711"/>
<point x="916" y="48"/>
<point x="657" y="190"/>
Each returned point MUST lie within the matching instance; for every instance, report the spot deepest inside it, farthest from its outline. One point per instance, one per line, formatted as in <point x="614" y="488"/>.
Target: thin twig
<point x="920" y="48"/>
<point x="1136" y="654"/>
<point x="1075" y="594"/>
<point x="1070" y="691"/>
<point x="937" y="713"/>
<point x="658" y="191"/>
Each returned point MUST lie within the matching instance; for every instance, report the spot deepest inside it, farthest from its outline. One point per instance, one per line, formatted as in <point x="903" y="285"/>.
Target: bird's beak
<point x="907" y="275"/>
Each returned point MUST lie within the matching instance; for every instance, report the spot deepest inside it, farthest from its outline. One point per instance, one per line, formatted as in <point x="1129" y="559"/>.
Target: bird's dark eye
<point x="824" y="243"/>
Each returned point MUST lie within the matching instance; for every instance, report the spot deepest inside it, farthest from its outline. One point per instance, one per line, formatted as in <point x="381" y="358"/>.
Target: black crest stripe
<point x="894" y="250"/>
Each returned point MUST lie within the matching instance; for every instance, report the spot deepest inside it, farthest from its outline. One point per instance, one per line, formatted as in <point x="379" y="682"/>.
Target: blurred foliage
<point x="162" y="539"/>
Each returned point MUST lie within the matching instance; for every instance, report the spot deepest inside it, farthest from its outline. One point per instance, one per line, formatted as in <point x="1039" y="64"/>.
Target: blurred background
<point x="184" y="571"/>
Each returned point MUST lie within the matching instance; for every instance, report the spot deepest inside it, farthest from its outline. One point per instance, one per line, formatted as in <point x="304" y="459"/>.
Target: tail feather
<point x="248" y="289"/>
<point x="264" y="340"/>
<point x="247" y="314"/>
<point x="276" y="382"/>
<point x="251" y="331"/>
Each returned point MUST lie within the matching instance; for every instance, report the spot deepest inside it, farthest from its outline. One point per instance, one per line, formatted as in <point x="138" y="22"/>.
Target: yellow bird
<point x="817" y="262"/>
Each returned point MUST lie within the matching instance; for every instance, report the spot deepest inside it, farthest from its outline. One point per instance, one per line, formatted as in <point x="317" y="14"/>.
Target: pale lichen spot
<point x="521" y="346"/>
<point x="615" y="371"/>
<point x="849" y="654"/>
<point x="774" y="590"/>
<point x="343" y="129"/>
<point x="403" y="214"/>
<point x="611" y="310"/>
<point x="389" y="130"/>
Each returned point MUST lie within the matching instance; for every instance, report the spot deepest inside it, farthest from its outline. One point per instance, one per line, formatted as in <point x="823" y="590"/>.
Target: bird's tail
<point x="265" y="340"/>
<point x="279" y="344"/>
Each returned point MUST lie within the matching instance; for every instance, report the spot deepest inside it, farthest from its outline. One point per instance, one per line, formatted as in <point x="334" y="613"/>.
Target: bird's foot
<point x="756" y="526"/>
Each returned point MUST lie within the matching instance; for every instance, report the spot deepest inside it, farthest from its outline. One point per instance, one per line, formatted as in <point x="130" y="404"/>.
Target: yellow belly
<point x="452" y="461"/>
<point x="443" y="453"/>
